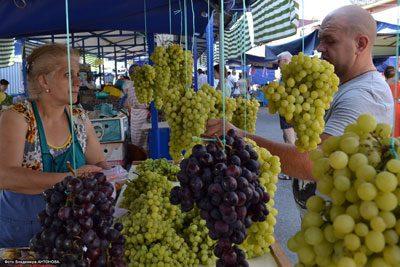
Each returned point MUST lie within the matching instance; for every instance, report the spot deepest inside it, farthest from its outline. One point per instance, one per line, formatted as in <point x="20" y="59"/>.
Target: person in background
<point x="201" y="78"/>
<point x="233" y="80"/>
<point x="228" y="85"/>
<point x="390" y="73"/>
<point x="289" y="136"/>
<point x="3" y="88"/>
<point x="242" y="85"/>
<point x="137" y="114"/>
<point x="347" y="36"/>
<point x="37" y="141"/>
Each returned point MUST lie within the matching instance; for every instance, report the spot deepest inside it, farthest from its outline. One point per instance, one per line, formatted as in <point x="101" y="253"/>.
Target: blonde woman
<point x="36" y="141"/>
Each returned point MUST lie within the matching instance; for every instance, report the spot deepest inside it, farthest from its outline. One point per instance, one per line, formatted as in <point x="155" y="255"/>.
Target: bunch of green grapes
<point x="194" y="111"/>
<point x="245" y="116"/>
<point x="155" y="231"/>
<point x="216" y="110"/>
<point x="160" y="166"/>
<point x="360" y="225"/>
<point x="261" y="234"/>
<point x="186" y="69"/>
<point x="163" y="74"/>
<point x="196" y="235"/>
<point x="305" y="94"/>
<point x="144" y="78"/>
<point x="176" y="56"/>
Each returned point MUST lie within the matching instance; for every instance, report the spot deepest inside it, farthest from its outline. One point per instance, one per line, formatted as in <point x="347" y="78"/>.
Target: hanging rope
<point x="145" y="24"/>
<point x="302" y="25"/>
<point x="70" y="84"/>
<point x="396" y="76"/>
<point x="170" y="15"/>
<point x="193" y="25"/>
<point x="222" y="68"/>
<point x="393" y="149"/>
<point x="180" y="11"/>
<point x="244" y="63"/>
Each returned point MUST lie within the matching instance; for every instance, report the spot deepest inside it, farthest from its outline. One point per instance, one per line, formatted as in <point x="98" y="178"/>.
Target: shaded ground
<point x="288" y="221"/>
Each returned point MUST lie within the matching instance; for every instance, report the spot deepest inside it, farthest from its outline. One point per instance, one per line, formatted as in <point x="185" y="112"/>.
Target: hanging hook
<point x="21" y="4"/>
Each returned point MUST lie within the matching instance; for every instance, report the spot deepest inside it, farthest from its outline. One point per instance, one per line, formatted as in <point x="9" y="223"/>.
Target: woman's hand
<point x="215" y="128"/>
<point x="87" y="169"/>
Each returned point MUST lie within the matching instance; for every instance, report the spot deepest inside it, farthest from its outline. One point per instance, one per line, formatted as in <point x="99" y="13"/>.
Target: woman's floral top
<point x="32" y="151"/>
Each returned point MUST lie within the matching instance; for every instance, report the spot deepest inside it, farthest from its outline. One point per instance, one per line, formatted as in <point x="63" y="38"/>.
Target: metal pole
<point x="24" y="67"/>
<point x="210" y="50"/>
<point x="83" y="50"/>
<point x="115" y="63"/>
<point x="155" y="145"/>
<point x="103" y="72"/>
<point x="126" y="64"/>
<point x="98" y="56"/>
<point x="195" y="57"/>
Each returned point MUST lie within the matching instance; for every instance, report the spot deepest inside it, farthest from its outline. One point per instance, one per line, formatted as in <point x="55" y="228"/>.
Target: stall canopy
<point x="46" y="17"/>
<point x="385" y="44"/>
<point x="294" y="47"/>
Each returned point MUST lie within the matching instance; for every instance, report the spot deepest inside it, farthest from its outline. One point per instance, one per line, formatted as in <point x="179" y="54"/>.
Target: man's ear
<point x="362" y="42"/>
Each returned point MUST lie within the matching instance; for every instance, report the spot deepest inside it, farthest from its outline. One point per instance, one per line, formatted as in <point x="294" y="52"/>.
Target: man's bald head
<point x="354" y="20"/>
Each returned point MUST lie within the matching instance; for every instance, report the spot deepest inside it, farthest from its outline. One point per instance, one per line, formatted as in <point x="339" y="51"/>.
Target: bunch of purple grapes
<point x="222" y="181"/>
<point x="77" y="224"/>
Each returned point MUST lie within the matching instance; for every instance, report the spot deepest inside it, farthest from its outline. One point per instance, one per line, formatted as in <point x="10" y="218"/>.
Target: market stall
<point x="100" y="238"/>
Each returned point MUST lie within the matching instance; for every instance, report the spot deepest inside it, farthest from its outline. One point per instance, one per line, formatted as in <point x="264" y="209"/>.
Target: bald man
<point x="346" y="37"/>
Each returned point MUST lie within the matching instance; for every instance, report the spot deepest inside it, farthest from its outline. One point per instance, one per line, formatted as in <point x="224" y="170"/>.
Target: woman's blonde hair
<point x="41" y="61"/>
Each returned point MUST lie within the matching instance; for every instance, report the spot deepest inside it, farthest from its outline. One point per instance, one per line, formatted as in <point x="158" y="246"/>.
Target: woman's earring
<point x="47" y="90"/>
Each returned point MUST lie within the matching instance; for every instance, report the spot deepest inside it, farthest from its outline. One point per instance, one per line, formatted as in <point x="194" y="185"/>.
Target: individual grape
<point x="352" y="242"/>
<point x="342" y="183"/>
<point x="386" y="201"/>
<point x="367" y="123"/>
<point x="346" y="262"/>
<point x="343" y="224"/>
<point x="393" y="165"/>
<point x="386" y="181"/>
<point x="375" y="241"/>
<point x="315" y="204"/>
<point x="313" y="236"/>
<point x="367" y="191"/>
<point x="338" y="160"/>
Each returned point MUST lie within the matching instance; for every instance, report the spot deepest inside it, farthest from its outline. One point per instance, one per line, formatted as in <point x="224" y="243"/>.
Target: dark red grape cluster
<point x="224" y="185"/>
<point x="77" y="224"/>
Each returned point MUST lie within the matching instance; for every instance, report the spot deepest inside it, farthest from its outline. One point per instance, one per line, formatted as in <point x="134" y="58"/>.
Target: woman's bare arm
<point x="13" y="177"/>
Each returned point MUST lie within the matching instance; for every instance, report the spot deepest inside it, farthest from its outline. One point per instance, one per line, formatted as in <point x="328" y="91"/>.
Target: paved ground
<point x="288" y="221"/>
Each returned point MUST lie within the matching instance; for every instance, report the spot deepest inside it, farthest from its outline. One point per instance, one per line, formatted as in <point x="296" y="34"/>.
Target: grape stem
<point x="71" y="170"/>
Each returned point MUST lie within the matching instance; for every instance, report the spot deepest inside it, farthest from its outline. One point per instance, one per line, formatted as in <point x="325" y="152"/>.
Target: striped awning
<point x="7" y="52"/>
<point x="274" y="19"/>
<point x="238" y="39"/>
<point x="268" y="20"/>
<point x="29" y="46"/>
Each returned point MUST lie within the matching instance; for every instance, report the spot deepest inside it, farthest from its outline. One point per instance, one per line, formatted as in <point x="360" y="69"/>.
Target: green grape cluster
<point x="196" y="235"/>
<point x="260" y="235"/>
<point x="163" y="74"/>
<point x="194" y="111"/>
<point x="157" y="233"/>
<point x="245" y="116"/>
<point x="144" y="79"/>
<point x="160" y="166"/>
<point x="216" y="109"/>
<point x="360" y="224"/>
<point x="305" y="94"/>
<point x="176" y="58"/>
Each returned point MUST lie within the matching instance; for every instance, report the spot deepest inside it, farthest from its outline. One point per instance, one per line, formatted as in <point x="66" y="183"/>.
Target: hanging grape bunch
<point x="163" y="75"/>
<point x="245" y="116"/>
<point x="306" y="92"/>
<point x="360" y="226"/>
<point x="77" y="224"/>
<point x="224" y="185"/>
<point x="143" y="79"/>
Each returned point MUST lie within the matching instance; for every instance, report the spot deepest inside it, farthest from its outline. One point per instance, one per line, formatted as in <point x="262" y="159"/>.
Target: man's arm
<point x="293" y="162"/>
